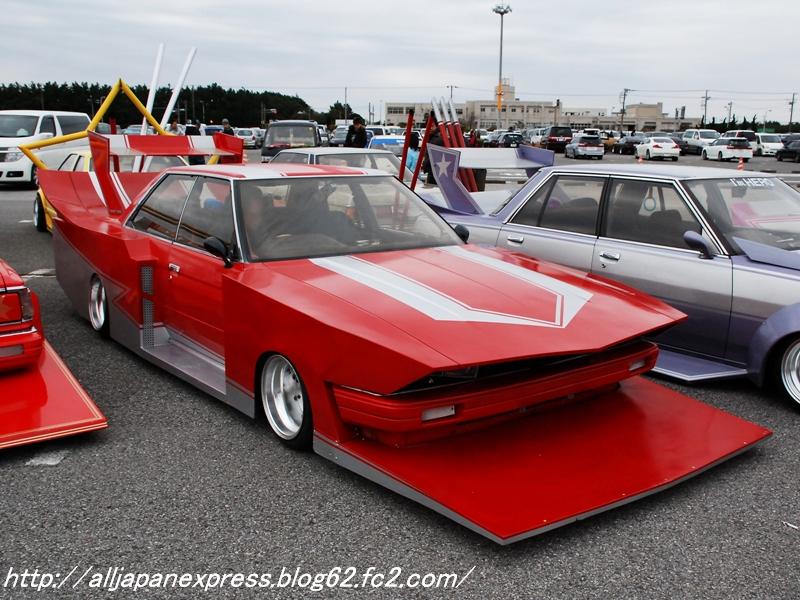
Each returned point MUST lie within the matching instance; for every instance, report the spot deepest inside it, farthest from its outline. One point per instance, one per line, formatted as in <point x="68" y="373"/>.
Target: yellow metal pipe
<point x="142" y="109"/>
<point x="98" y="116"/>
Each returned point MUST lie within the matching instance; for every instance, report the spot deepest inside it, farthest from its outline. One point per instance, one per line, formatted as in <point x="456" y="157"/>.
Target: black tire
<point x="39" y="220"/>
<point x="758" y="152"/>
<point x="34" y="177"/>
<point x="674" y="159"/>
<point x="98" y="307"/>
<point x="269" y="368"/>
<point x="782" y="359"/>
<point x="647" y="155"/>
<point x="797" y="158"/>
<point x="704" y="154"/>
<point x="779" y="157"/>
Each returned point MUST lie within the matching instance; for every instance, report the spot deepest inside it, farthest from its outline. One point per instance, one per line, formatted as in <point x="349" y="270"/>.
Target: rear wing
<point x="445" y="163"/>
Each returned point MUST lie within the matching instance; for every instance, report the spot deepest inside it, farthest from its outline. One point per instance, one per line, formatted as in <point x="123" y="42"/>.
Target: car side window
<point x="291" y="157"/>
<point x="648" y="212"/>
<point x="573" y="204"/>
<point x="208" y="212"/>
<point x="48" y="125"/>
<point x="160" y="213"/>
<point x="529" y="213"/>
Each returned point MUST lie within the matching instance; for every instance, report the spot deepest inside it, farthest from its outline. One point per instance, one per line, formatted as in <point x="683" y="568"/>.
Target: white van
<point x="19" y="127"/>
<point x="767" y="144"/>
<point x="697" y="139"/>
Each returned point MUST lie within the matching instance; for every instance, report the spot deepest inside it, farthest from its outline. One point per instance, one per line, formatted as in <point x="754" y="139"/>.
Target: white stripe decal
<point x="574" y="297"/>
<point x="123" y="195"/>
<point x="96" y="184"/>
<point x="440" y="306"/>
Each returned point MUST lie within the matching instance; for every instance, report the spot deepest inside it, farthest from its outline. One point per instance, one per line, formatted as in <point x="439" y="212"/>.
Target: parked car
<point x="19" y="127"/>
<point x="707" y="241"/>
<point x="728" y="148"/>
<point x="386" y="343"/>
<point x="789" y="152"/>
<point x="627" y="144"/>
<point x="490" y="141"/>
<point x="556" y="138"/>
<point x="249" y="137"/>
<point x="137" y="130"/>
<point x="658" y="147"/>
<point x="289" y="134"/>
<point x="324" y="136"/>
<point x="362" y="158"/>
<point x="609" y="138"/>
<point x="747" y="134"/>
<point x="212" y="129"/>
<point x="339" y="135"/>
<point x="392" y="143"/>
<point x="767" y="144"/>
<point x="697" y="139"/>
<point x="585" y="146"/>
<point x="509" y="139"/>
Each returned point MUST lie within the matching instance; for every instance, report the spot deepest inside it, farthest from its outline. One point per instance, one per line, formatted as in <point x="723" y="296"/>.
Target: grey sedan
<point x="722" y="246"/>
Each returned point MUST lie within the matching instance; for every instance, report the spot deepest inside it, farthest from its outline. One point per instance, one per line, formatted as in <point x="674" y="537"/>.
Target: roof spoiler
<point x="445" y="163"/>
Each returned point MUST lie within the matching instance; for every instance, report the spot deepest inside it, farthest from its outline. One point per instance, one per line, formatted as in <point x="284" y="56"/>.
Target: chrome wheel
<point x="790" y="370"/>
<point x="283" y="397"/>
<point x="98" y="316"/>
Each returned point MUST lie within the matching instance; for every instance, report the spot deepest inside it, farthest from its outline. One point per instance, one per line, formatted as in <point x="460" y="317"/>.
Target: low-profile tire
<point x="787" y="372"/>
<point x="284" y="400"/>
<point x="34" y="178"/>
<point x="98" y="307"/>
<point x="39" y="219"/>
<point x="704" y="155"/>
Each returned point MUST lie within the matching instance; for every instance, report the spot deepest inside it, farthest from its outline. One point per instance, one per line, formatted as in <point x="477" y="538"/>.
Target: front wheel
<point x="789" y="371"/>
<point x="98" y="307"/>
<point x="39" y="220"/>
<point x="285" y="402"/>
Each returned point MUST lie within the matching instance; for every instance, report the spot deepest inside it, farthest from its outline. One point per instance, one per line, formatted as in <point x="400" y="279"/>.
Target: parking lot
<point x="182" y="482"/>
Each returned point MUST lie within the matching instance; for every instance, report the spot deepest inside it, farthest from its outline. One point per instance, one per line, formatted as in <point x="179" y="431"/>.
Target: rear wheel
<point x="647" y="155"/>
<point x="797" y="158"/>
<point x="39" y="220"/>
<point x="779" y="157"/>
<point x="285" y="402"/>
<point x="705" y="155"/>
<point x="674" y="159"/>
<point x="98" y="307"/>
<point x="788" y="376"/>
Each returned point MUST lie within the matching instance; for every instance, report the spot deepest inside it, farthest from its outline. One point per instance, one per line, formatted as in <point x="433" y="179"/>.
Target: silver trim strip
<point x="9" y="334"/>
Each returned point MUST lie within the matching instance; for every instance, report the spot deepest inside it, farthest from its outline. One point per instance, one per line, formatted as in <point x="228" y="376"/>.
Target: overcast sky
<point x="581" y="51"/>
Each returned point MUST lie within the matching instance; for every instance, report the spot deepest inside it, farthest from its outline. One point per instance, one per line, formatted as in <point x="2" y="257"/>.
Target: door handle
<point x="174" y="268"/>
<point x="610" y="255"/>
<point x="515" y="239"/>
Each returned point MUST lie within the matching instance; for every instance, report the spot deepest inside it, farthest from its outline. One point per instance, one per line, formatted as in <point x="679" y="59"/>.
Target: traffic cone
<point x="740" y="166"/>
<point x="640" y="160"/>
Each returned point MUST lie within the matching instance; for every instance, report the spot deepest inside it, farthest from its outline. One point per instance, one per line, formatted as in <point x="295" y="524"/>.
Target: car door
<point x="642" y="246"/>
<point x="194" y="281"/>
<point x="558" y="222"/>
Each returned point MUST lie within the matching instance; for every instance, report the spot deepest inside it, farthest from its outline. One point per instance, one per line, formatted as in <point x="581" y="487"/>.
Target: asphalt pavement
<point x="180" y="482"/>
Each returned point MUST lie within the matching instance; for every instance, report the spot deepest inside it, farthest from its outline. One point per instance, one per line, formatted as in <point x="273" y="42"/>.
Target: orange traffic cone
<point x="740" y="166"/>
<point x="640" y="160"/>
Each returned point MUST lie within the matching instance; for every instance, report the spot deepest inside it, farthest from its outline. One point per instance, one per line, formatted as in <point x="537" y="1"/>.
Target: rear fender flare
<point x="781" y="325"/>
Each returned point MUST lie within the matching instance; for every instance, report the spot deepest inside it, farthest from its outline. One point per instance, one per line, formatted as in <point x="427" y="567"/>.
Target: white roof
<point x="38" y="113"/>
<point x="274" y="170"/>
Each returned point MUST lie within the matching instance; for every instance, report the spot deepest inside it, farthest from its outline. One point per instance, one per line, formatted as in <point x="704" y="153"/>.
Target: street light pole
<point x="502" y="10"/>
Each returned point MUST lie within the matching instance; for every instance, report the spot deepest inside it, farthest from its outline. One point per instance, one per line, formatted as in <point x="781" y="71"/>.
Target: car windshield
<point x="293" y="135"/>
<point x="709" y="135"/>
<point x="322" y="216"/>
<point x="17" y="125"/>
<point x="759" y="209"/>
<point x="380" y="161"/>
<point x="662" y="140"/>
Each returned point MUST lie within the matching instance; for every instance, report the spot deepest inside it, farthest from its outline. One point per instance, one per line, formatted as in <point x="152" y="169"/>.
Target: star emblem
<point x="442" y="166"/>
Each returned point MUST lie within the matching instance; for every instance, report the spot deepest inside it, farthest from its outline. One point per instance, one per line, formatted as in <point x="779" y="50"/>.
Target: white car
<point x="748" y="134"/>
<point x="18" y="127"/>
<point x="728" y="148"/>
<point x="697" y="139"/>
<point x="767" y="144"/>
<point x="249" y="137"/>
<point x="658" y="147"/>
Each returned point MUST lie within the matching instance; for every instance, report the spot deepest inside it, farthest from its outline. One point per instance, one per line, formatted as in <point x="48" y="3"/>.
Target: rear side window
<point x="208" y="213"/>
<point x="573" y="204"/>
<point x="160" y="213"/>
<point x="72" y="123"/>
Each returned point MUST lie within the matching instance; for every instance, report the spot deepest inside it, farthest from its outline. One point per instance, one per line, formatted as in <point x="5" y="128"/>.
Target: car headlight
<point x="14" y="156"/>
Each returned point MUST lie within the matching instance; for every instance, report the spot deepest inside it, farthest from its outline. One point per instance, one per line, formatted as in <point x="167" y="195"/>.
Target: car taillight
<point x="553" y="138"/>
<point x="582" y="145"/>
<point x="16" y="306"/>
<point x="656" y="145"/>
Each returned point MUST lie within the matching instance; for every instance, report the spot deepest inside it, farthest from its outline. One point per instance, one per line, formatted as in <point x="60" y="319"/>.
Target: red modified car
<point x="497" y="389"/>
<point x="39" y="397"/>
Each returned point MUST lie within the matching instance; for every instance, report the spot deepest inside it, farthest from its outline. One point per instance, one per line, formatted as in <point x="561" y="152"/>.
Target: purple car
<point x="722" y="246"/>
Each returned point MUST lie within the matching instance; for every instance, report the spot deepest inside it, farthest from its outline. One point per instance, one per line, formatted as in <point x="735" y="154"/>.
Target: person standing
<point x="435" y="139"/>
<point x="226" y="127"/>
<point x="356" y="134"/>
<point x="174" y="127"/>
<point x="193" y="128"/>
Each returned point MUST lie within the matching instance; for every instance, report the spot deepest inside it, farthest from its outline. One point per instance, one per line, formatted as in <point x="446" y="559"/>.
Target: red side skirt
<point x="556" y="464"/>
<point x="44" y="402"/>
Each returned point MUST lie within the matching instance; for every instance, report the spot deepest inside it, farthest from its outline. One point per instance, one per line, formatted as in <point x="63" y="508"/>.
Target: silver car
<point x="720" y="245"/>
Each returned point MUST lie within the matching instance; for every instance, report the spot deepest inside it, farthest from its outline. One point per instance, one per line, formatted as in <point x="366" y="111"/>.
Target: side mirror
<point x="218" y="248"/>
<point x="462" y="232"/>
<point x="46" y="136"/>
<point x="695" y="241"/>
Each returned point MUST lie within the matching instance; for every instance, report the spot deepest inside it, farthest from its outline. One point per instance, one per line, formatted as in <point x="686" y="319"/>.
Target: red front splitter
<point x="556" y="464"/>
<point x="44" y="402"/>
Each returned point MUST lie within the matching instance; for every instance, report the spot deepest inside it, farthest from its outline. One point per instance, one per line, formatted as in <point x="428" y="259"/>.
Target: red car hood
<point x="475" y="305"/>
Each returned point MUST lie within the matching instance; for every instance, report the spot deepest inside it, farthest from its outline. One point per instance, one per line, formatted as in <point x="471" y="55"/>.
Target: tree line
<point x="753" y="124"/>
<point x="207" y="103"/>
